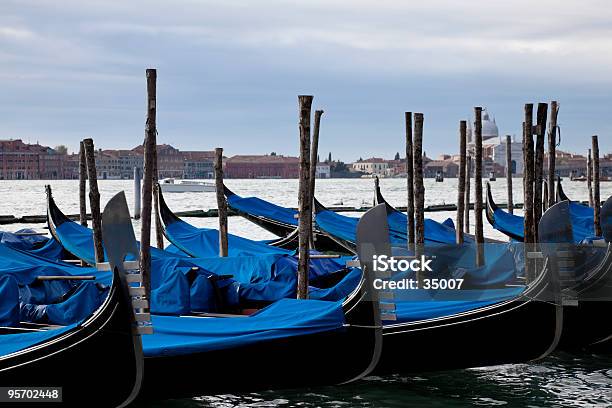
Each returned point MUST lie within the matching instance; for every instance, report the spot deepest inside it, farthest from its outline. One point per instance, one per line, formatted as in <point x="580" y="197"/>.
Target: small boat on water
<point x="439" y="177"/>
<point x="45" y="355"/>
<point x="170" y="185"/>
<point x="492" y="176"/>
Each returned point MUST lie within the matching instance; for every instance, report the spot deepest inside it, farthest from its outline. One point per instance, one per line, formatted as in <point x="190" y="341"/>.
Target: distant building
<point x="494" y="148"/>
<point x="198" y="164"/>
<point x="373" y="165"/>
<point x="323" y="170"/>
<point x="516" y="151"/>
<point x="22" y="161"/>
<point x="446" y="168"/>
<point x="262" y="166"/>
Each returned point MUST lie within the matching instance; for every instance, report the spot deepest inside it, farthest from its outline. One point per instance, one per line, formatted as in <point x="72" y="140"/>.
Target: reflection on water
<point x="562" y="380"/>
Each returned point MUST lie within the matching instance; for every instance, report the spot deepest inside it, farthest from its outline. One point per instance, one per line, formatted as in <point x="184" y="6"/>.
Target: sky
<point x="229" y="72"/>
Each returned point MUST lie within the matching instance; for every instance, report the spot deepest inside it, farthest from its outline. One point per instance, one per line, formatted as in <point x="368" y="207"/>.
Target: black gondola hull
<point x="96" y="364"/>
<point x="302" y="361"/>
<point x="522" y="329"/>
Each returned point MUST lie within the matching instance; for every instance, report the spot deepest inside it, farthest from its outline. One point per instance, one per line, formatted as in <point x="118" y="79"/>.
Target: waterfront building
<point x="494" y="148"/>
<point x="323" y="170"/>
<point x="374" y="165"/>
<point x="23" y="161"/>
<point x="262" y="166"/>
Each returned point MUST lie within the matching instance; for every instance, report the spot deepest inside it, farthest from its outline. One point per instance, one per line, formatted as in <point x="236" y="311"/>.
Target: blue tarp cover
<point x="345" y="227"/>
<point x="581" y="218"/>
<point x="259" y="207"/>
<point x="9" y="301"/>
<point x="283" y="319"/>
<point x="429" y="305"/>
<point x="204" y="242"/>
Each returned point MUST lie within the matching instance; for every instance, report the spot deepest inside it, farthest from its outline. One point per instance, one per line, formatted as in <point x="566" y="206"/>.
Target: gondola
<point x="443" y="233"/>
<point x="587" y="286"/>
<point x="97" y="360"/>
<point x="422" y="325"/>
<point x="254" y="274"/>
<point x="288" y="344"/>
<point x="246" y="350"/>
<point x="204" y="242"/>
<point x="512" y="225"/>
<point x="342" y="229"/>
<point x="523" y="327"/>
<point x="586" y="276"/>
<point x="278" y="220"/>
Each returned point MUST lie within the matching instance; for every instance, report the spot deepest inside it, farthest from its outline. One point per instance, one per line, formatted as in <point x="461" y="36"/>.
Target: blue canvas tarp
<point x="418" y="304"/>
<point x="9" y="301"/>
<point x="513" y="225"/>
<point x="345" y="228"/>
<point x="283" y="319"/>
<point x="261" y="208"/>
<point x="204" y="242"/>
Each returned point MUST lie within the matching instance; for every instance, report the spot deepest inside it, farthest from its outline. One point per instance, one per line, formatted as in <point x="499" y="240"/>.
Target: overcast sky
<point x="229" y="72"/>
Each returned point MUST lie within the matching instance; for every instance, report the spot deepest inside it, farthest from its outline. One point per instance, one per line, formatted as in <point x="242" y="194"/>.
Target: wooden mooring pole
<point x="552" y="152"/>
<point x="461" y="181"/>
<point x="478" y="186"/>
<point x="419" y="189"/>
<point x="590" y="178"/>
<point x="150" y="145"/>
<point x="539" y="162"/>
<point x="82" y="185"/>
<point x="314" y="151"/>
<point x="468" y="194"/>
<point x="304" y="198"/>
<point x="152" y="121"/>
<point x="137" y="192"/>
<point x="509" y="174"/>
<point x="596" y="196"/>
<point x="94" y="199"/>
<point x="528" y="179"/>
<point x="409" y="180"/>
<point x="221" y="203"/>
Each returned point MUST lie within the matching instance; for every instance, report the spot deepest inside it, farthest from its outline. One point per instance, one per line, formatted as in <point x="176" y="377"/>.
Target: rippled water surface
<point x="559" y="381"/>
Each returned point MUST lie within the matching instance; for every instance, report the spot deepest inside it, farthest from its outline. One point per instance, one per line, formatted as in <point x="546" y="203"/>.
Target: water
<point x="561" y="380"/>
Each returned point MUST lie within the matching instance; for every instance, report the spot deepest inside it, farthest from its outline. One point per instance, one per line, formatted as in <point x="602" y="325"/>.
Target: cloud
<point x="229" y="69"/>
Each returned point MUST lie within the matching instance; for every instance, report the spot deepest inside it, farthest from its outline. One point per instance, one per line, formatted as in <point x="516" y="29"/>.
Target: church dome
<point x="489" y="127"/>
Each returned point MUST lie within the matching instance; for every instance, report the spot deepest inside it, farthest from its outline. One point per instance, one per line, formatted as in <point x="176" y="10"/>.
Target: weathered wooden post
<point x="539" y="162"/>
<point x="461" y="181"/>
<point x="304" y="198"/>
<point x="596" y="197"/>
<point x="509" y="173"/>
<point x="552" y="151"/>
<point x="152" y="120"/>
<point x="419" y="189"/>
<point x="528" y="158"/>
<point x="409" y="180"/>
<point x="376" y="188"/>
<point x="94" y="199"/>
<point x="150" y="145"/>
<point x="137" y="193"/>
<point x="468" y="194"/>
<point x="590" y="178"/>
<point x="82" y="185"/>
<point x="478" y="186"/>
<point x="314" y="151"/>
<point x="221" y="203"/>
<point x="528" y="179"/>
